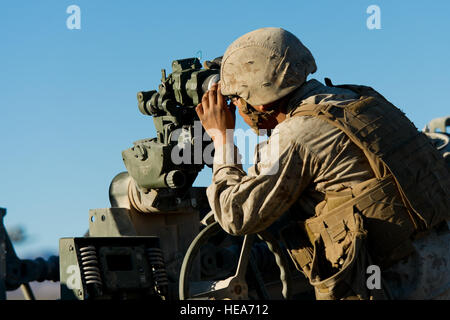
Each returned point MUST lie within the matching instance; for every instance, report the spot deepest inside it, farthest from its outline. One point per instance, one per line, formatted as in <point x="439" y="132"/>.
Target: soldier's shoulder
<point x="305" y="128"/>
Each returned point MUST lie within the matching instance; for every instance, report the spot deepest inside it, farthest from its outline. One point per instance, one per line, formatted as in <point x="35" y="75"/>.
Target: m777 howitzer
<point x="135" y="248"/>
<point x="158" y="239"/>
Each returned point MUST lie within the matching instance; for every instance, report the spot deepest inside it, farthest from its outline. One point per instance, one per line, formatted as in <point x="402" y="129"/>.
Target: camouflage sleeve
<point x="250" y="203"/>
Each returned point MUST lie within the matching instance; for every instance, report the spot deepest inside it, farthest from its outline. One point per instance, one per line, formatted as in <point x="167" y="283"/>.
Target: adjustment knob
<point x="175" y="179"/>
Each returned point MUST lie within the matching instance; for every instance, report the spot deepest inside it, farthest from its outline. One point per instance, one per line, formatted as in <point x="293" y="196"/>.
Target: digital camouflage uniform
<point x="320" y="171"/>
<point x="315" y="157"/>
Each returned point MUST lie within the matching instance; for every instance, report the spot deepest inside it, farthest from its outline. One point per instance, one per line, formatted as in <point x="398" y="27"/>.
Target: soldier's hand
<point x="216" y="116"/>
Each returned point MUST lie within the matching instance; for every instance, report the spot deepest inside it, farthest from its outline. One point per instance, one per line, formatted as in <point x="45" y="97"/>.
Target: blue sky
<point x="68" y="97"/>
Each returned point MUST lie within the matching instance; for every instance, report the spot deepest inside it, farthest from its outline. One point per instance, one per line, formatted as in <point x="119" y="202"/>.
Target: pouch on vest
<point x="331" y="249"/>
<point x="349" y="282"/>
<point x="347" y="278"/>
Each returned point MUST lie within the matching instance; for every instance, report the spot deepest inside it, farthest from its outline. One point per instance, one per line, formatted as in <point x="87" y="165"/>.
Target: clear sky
<point x="68" y="97"/>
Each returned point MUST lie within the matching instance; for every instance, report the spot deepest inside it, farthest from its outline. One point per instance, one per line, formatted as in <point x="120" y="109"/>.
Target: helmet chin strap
<point x="255" y="115"/>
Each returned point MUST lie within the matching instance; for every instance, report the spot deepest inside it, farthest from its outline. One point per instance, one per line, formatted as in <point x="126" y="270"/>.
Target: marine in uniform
<point x="354" y="181"/>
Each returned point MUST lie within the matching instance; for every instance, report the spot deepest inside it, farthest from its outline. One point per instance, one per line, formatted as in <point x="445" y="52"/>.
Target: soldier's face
<point x="272" y="121"/>
<point x="244" y="116"/>
<point x="265" y="124"/>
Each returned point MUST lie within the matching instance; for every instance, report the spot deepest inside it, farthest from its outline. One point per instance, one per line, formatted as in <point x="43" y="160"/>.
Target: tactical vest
<point x="393" y="145"/>
<point x="409" y="195"/>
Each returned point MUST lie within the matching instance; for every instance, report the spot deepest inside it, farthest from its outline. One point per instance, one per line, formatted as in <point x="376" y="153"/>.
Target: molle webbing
<point x="386" y="221"/>
<point x="392" y="144"/>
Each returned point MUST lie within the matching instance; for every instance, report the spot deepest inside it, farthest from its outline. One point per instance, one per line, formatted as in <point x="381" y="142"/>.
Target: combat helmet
<point x="265" y="65"/>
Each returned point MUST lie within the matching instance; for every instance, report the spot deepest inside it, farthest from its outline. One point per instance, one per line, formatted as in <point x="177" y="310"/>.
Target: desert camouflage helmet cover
<point x="264" y="65"/>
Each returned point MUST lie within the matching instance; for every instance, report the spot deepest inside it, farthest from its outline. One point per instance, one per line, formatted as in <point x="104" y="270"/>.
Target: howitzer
<point x="145" y="245"/>
<point x="135" y="248"/>
<point x="153" y="203"/>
